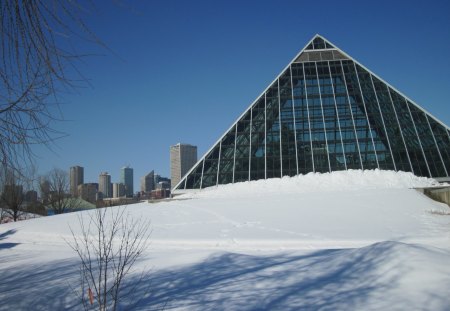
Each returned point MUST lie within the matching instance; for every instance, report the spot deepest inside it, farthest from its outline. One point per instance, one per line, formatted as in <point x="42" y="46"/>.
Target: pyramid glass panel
<point x="258" y="141"/>
<point x="325" y="112"/>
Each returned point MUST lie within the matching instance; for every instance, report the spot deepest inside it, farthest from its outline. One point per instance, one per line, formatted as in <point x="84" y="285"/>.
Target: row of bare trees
<point x="18" y="196"/>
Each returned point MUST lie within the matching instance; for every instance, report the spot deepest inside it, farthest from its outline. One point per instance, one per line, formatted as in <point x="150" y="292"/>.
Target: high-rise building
<point x="325" y="112"/>
<point x="76" y="178"/>
<point x="126" y="178"/>
<point x="88" y="192"/>
<point x="182" y="158"/>
<point x="118" y="190"/>
<point x="147" y="182"/>
<point x="31" y="196"/>
<point x="104" y="185"/>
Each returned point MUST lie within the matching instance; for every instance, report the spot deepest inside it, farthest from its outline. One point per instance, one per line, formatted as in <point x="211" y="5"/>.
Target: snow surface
<point x="355" y="240"/>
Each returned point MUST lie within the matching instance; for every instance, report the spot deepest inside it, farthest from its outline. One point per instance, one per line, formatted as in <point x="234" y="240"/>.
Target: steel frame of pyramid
<point x="325" y="112"/>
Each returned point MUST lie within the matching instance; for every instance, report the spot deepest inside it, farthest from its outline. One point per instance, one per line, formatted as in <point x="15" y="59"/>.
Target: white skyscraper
<point x="182" y="158"/>
<point x="104" y="185"/>
<point x="76" y="179"/>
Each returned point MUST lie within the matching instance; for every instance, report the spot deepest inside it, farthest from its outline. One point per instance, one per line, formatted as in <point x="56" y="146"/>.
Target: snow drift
<point x="351" y="180"/>
<point x="341" y="241"/>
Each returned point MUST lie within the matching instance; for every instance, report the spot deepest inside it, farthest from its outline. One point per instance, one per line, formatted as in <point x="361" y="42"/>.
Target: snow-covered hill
<point x="341" y="241"/>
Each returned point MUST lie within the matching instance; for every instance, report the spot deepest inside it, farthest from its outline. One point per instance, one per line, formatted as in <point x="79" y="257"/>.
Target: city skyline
<point x="161" y="83"/>
<point x="119" y="180"/>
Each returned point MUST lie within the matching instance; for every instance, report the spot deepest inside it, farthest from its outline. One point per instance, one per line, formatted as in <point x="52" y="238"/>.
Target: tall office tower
<point x="76" y="178"/>
<point x="104" y="185"/>
<point x="118" y="190"/>
<point x="147" y="182"/>
<point x="182" y="158"/>
<point x="325" y="112"/>
<point x="126" y="178"/>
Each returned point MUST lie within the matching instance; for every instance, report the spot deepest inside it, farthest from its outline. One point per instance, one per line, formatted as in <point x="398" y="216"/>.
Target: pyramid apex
<point x="318" y="42"/>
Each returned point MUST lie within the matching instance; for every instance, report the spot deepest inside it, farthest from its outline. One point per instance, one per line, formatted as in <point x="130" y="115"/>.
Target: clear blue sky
<point x="183" y="71"/>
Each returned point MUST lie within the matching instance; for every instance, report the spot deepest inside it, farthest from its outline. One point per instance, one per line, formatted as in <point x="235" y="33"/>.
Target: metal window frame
<point x="448" y="134"/>
<point x="387" y="84"/>
<point x="203" y="168"/>
<point x="400" y="128"/>
<point x="418" y="138"/>
<point x="218" y="163"/>
<point x="323" y="117"/>
<point x="437" y="147"/>
<point x="265" y="135"/>
<point x="234" y="155"/>
<point x="382" y="120"/>
<point x="309" y="119"/>
<point x="337" y="114"/>
<point x="279" y="124"/>
<point x="367" y="116"/>
<point x="293" y="117"/>
<point x="351" y="113"/>
<point x="250" y="143"/>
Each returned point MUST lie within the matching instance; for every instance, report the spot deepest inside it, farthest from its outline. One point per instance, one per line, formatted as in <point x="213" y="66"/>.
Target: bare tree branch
<point x="54" y="189"/>
<point x="36" y="61"/>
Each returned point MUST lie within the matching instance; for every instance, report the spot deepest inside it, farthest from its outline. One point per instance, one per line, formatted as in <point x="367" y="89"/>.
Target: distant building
<point x="76" y="179"/>
<point x="45" y="190"/>
<point x="159" y="179"/>
<point x="104" y="185"/>
<point x="88" y="192"/>
<point x="148" y="182"/>
<point x="159" y="194"/>
<point x="163" y="185"/>
<point x="31" y="196"/>
<point x="118" y="190"/>
<point x="182" y="158"/>
<point x="126" y="178"/>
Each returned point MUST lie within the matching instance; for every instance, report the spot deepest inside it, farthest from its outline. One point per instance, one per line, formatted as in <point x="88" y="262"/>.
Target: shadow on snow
<point x="328" y="279"/>
<point x="4" y="235"/>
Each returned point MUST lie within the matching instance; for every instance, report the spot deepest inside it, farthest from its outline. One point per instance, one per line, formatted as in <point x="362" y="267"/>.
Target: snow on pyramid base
<point x="325" y="112"/>
<point x="351" y="180"/>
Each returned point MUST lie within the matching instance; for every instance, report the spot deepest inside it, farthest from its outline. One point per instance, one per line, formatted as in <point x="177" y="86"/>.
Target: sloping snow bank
<point x="343" y="241"/>
<point x="382" y="276"/>
<point x="318" y="182"/>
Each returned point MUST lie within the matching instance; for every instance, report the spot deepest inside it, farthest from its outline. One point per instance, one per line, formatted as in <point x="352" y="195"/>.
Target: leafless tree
<point x="110" y="243"/>
<point x="2" y="215"/>
<point x="36" y="59"/>
<point x="12" y="195"/>
<point x="55" y="188"/>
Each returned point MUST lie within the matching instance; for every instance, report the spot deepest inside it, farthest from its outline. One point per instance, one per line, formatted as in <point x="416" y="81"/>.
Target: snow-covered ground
<point x="341" y="241"/>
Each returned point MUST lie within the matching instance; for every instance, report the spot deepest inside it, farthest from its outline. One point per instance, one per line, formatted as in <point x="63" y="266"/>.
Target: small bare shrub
<point x="110" y="243"/>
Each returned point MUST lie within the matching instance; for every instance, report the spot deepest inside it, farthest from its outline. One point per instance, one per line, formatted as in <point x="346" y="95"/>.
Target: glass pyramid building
<point x="325" y="112"/>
